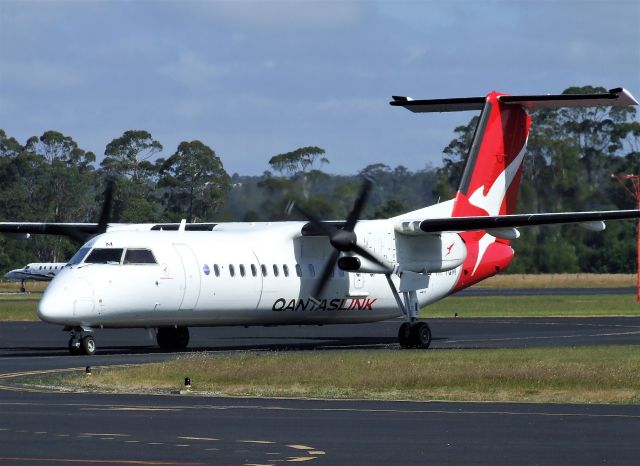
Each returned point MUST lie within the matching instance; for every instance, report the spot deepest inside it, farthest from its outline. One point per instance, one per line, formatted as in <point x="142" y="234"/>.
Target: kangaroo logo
<point x="492" y="201"/>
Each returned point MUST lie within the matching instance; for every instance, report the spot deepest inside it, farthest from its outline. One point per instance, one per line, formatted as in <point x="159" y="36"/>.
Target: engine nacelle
<point x="360" y="264"/>
<point x="430" y="253"/>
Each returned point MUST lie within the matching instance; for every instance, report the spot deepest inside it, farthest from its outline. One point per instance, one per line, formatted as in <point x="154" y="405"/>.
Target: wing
<point x="76" y="231"/>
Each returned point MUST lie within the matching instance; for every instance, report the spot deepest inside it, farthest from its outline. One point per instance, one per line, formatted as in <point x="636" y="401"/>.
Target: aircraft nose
<point x="60" y="299"/>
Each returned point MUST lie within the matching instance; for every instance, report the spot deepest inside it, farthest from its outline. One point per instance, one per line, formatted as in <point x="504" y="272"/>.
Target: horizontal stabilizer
<point x="439" y="105"/>
<point x="613" y="98"/>
<point x="520" y="220"/>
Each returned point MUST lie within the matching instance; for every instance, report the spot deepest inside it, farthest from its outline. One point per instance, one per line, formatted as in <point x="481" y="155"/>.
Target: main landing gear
<point x="80" y="343"/>
<point x="412" y="333"/>
<point x="173" y="338"/>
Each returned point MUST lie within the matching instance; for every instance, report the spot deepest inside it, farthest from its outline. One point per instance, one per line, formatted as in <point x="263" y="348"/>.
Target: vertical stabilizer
<point x="491" y="176"/>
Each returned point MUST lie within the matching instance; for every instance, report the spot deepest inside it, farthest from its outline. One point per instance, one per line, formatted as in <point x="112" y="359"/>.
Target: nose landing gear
<point x="79" y="343"/>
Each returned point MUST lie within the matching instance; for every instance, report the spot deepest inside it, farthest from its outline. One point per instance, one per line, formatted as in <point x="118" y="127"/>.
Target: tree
<point x="65" y="184"/>
<point x="129" y="155"/>
<point x="127" y="162"/>
<point x="299" y="160"/>
<point x="195" y="181"/>
<point x="449" y="175"/>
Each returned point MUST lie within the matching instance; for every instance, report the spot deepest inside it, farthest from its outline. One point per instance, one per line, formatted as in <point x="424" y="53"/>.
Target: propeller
<point x="342" y="239"/>
<point x="107" y="207"/>
<point x="82" y="235"/>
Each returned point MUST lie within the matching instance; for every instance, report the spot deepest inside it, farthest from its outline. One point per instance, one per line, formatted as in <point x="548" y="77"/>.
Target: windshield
<point x="78" y="256"/>
<point x="104" y="256"/>
<point x="139" y="256"/>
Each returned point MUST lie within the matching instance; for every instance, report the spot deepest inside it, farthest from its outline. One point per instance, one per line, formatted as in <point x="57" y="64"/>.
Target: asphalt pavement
<point x="41" y="428"/>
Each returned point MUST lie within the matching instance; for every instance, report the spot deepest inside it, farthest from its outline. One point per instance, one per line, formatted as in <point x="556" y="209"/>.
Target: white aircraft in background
<point x="318" y="272"/>
<point x="37" y="271"/>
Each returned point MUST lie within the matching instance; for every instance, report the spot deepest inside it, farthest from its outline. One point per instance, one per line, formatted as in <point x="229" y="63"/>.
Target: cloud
<point x="41" y="76"/>
<point x="303" y="15"/>
<point x="192" y="71"/>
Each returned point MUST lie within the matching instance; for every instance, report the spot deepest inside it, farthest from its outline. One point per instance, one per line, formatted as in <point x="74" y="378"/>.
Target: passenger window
<point x="242" y="271"/>
<point x="254" y="271"/>
<point x="264" y="270"/>
<point x="312" y="270"/>
<point x="139" y="256"/>
<point x="275" y="270"/>
<point x="216" y="270"/>
<point x="285" y="270"/>
<point x="104" y="256"/>
<point x="232" y="270"/>
<point x="298" y="270"/>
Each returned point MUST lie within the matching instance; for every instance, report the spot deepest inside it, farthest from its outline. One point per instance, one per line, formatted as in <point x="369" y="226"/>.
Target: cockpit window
<point x="104" y="256"/>
<point x="139" y="256"/>
<point x="78" y="256"/>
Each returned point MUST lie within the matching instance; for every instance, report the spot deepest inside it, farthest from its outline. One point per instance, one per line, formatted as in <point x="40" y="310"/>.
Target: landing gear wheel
<point x="416" y="335"/>
<point x="181" y="338"/>
<point x="404" y="336"/>
<point x="173" y="338"/>
<point x="74" y="346"/>
<point x="88" y="345"/>
<point x="163" y="338"/>
<point x="421" y="335"/>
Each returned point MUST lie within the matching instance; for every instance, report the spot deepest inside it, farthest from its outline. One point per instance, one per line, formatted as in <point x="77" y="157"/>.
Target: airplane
<point x="317" y="272"/>
<point x="37" y="271"/>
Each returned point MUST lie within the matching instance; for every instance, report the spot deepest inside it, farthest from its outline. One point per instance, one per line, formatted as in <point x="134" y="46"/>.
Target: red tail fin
<point x="491" y="177"/>
<point x="490" y="183"/>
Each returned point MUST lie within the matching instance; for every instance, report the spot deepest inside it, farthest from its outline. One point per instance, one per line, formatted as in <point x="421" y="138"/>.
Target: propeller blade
<point x="354" y="215"/>
<point x="364" y="253"/>
<point x="315" y="221"/>
<point x="326" y="273"/>
<point x="105" y="214"/>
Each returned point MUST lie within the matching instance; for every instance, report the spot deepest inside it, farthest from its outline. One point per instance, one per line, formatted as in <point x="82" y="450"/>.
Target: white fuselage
<point x="238" y="274"/>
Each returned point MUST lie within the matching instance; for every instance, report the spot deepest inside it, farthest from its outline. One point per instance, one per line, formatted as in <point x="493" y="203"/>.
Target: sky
<point x="253" y="79"/>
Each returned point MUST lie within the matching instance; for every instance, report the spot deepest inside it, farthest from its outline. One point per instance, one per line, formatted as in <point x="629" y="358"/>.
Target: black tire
<point x="172" y="338"/>
<point x="73" y="349"/>
<point x="404" y="335"/>
<point x="421" y="335"/>
<point x="88" y="345"/>
<point x="181" y="338"/>
<point x="163" y="337"/>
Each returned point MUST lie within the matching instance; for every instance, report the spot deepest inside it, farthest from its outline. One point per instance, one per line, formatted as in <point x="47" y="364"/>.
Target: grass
<point x="560" y="280"/>
<point x="535" y="306"/>
<point x="19" y="307"/>
<point x="568" y="375"/>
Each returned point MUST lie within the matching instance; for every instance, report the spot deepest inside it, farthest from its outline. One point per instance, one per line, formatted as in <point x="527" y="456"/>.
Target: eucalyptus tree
<point x="128" y="161"/>
<point x="194" y="181"/>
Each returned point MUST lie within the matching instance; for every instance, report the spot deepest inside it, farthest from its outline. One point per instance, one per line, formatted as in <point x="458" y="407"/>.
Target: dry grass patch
<point x="560" y="280"/>
<point x="580" y="375"/>
<point x="535" y="306"/>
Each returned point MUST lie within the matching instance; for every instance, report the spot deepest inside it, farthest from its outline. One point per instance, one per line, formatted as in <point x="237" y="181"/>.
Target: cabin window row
<point x="275" y="270"/>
